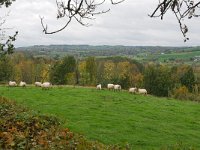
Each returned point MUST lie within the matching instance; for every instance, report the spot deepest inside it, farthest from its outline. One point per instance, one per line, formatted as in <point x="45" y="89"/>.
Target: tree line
<point x="158" y="79"/>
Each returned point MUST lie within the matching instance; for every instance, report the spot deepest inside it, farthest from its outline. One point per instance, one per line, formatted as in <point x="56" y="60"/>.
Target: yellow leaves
<point x="123" y="69"/>
<point x="181" y="93"/>
<point x="109" y="70"/>
<point x="17" y="73"/>
<point x="82" y="66"/>
<point x="136" y="80"/>
<point x="45" y="74"/>
<point x="70" y="77"/>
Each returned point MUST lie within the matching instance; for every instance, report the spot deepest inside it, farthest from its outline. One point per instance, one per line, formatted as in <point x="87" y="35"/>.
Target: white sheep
<point x="22" y="84"/>
<point x="132" y="90"/>
<point x="99" y="87"/>
<point x="142" y="91"/>
<point x="46" y="85"/>
<point x="110" y="86"/>
<point x="117" y="87"/>
<point x="12" y="83"/>
<point x="38" y="84"/>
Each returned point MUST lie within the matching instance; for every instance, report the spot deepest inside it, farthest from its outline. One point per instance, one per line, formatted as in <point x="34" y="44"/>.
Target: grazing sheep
<point x="142" y="91"/>
<point x="117" y="87"/>
<point x="38" y="84"/>
<point x="22" y="84"/>
<point x="99" y="87"/>
<point x="12" y="83"/>
<point x="110" y="86"/>
<point x="46" y="85"/>
<point x="132" y="90"/>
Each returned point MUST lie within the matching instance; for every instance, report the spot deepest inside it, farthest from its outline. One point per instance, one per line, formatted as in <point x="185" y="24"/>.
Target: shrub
<point x="181" y="93"/>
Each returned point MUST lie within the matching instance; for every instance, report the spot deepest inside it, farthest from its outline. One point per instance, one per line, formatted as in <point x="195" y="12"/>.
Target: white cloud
<point x="126" y="24"/>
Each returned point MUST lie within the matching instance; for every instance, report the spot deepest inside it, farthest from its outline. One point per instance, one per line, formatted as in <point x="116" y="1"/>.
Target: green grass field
<point x="145" y="122"/>
<point x="186" y="56"/>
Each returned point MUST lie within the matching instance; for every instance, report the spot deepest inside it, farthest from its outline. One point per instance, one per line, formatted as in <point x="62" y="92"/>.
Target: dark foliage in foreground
<point x="24" y="129"/>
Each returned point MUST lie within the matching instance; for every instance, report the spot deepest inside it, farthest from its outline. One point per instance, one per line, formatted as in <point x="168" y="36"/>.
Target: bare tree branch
<point x="84" y="10"/>
<point x="7" y="3"/>
<point x="79" y="10"/>
<point x="182" y="9"/>
<point x="6" y="42"/>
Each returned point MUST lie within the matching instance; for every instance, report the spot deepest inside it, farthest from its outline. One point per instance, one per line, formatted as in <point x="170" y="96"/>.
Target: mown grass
<point x="145" y="122"/>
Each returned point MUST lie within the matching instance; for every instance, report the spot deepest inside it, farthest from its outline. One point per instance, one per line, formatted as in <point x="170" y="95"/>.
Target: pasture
<point x="145" y="122"/>
<point x="186" y="56"/>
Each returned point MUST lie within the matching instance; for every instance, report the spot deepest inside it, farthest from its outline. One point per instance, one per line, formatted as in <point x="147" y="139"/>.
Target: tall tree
<point x="157" y="80"/>
<point x="6" y="69"/>
<point x="59" y="71"/>
<point x="109" y="71"/>
<point x="188" y="79"/>
<point x="91" y="69"/>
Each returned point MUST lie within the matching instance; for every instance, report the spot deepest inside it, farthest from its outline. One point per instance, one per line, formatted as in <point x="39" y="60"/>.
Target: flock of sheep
<point x="45" y="85"/>
<point x="115" y="87"/>
<point x="118" y="88"/>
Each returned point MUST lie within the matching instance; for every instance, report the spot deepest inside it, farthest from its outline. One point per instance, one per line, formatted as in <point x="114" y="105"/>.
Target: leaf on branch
<point x="180" y="8"/>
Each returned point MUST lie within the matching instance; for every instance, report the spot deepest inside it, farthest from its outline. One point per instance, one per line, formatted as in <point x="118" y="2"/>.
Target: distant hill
<point x="99" y="51"/>
<point x="99" y="47"/>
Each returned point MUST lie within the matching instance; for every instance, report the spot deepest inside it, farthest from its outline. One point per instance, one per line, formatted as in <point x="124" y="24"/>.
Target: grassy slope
<point x="143" y="121"/>
<point x="182" y="55"/>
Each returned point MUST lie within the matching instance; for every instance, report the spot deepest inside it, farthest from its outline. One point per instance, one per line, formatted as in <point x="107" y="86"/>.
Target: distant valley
<point x="141" y="53"/>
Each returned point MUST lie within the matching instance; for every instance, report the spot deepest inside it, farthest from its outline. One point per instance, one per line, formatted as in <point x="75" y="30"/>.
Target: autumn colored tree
<point x="100" y="73"/>
<point x="109" y="72"/>
<point x="84" y="77"/>
<point x="41" y="71"/>
<point x="91" y="69"/>
<point x="136" y="80"/>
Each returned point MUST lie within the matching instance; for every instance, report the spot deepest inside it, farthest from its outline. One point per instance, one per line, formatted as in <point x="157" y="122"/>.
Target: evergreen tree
<point x="188" y="79"/>
<point x="157" y="80"/>
<point x="6" y="69"/>
<point x="59" y="71"/>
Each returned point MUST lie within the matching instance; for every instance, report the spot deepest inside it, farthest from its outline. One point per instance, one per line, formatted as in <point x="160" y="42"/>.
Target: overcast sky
<point x="126" y="24"/>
